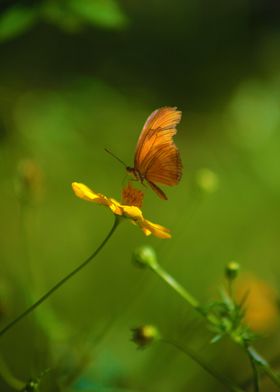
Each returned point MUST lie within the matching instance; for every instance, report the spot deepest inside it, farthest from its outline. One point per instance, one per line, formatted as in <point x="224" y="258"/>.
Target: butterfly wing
<point x="157" y="158"/>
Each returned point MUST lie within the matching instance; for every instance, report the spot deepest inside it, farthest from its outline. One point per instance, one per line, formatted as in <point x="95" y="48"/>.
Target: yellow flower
<point x="131" y="212"/>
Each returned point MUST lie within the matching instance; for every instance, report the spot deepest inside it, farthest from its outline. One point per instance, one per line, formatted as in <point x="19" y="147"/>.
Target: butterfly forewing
<point x="160" y="121"/>
<point x="157" y="158"/>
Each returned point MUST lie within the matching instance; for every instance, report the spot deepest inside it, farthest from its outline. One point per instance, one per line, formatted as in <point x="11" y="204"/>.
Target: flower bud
<point x="144" y="335"/>
<point x="207" y="180"/>
<point x="34" y="384"/>
<point x="145" y="256"/>
<point x="232" y="270"/>
<point x="31" y="386"/>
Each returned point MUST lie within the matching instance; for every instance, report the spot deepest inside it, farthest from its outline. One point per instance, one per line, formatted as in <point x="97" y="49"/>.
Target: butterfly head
<point x="134" y="173"/>
<point x="131" y="171"/>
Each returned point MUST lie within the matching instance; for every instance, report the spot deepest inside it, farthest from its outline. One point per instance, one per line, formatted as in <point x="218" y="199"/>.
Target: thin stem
<point x="212" y="371"/>
<point x="61" y="282"/>
<point x="164" y="275"/>
<point x="255" y="359"/>
<point x="230" y="289"/>
<point x="176" y="286"/>
<point x="254" y="369"/>
<point x="24" y="219"/>
<point x="271" y="374"/>
<point x="24" y="240"/>
<point x="263" y="365"/>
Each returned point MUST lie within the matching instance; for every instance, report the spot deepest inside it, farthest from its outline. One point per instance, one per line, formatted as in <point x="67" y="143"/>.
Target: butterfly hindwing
<point x="166" y="166"/>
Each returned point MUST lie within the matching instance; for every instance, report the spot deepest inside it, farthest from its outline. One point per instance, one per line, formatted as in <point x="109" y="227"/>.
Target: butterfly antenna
<point x="117" y="158"/>
<point x="124" y="180"/>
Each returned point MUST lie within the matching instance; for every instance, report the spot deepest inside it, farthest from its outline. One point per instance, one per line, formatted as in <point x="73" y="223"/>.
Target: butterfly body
<point x="157" y="159"/>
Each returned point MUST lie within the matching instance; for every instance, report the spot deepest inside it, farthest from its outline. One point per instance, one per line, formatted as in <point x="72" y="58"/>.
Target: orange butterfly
<point x="157" y="159"/>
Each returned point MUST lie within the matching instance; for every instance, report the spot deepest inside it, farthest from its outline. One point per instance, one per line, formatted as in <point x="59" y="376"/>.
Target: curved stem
<point x="8" y="378"/>
<point x="61" y="282"/>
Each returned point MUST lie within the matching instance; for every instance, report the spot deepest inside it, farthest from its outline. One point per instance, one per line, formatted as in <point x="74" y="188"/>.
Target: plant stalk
<point x="61" y="282"/>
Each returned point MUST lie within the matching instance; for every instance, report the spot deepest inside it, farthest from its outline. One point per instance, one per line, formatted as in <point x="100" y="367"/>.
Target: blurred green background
<point x="79" y="75"/>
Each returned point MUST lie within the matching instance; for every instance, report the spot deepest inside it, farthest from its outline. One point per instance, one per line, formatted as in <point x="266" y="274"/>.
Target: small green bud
<point x="31" y="386"/>
<point x="207" y="180"/>
<point x="145" y="256"/>
<point x="232" y="270"/>
<point x="144" y="335"/>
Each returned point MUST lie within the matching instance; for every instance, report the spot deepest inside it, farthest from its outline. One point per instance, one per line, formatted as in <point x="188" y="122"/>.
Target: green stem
<point x="263" y="365"/>
<point x="212" y="371"/>
<point x="176" y="286"/>
<point x="230" y="289"/>
<point x="255" y="359"/>
<point x="271" y="375"/>
<point x="254" y="369"/>
<point x="182" y="292"/>
<point x="61" y="282"/>
<point x="9" y="379"/>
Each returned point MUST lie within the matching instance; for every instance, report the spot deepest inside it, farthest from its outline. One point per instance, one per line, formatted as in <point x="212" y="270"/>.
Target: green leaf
<point x="216" y="339"/>
<point x="15" y="21"/>
<point x="104" y="13"/>
<point x="59" y="14"/>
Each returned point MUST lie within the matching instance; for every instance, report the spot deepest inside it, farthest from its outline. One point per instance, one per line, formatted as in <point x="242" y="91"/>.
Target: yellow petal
<point x="155" y="229"/>
<point x="146" y="231"/>
<point x="84" y="192"/>
<point x="133" y="213"/>
<point x="115" y="206"/>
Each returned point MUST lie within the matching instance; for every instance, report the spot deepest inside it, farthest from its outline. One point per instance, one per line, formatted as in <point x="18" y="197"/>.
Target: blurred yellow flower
<point x="129" y="211"/>
<point x="261" y="303"/>
<point x="207" y="180"/>
<point x="29" y="184"/>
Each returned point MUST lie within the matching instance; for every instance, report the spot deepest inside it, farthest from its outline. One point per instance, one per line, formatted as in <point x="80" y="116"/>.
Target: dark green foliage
<point x="69" y="15"/>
